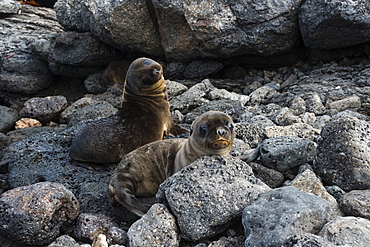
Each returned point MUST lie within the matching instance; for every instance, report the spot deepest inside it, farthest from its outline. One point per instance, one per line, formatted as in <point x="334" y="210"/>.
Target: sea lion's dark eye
<point x="147" y="62"/>
<point x="230" y="126"/>
<point x="203" y="130"/>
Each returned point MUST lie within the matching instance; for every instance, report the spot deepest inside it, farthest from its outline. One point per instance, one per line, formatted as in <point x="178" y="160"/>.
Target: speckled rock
<point x="285" y="152"/>
<point x="37" y="214"/>
<point x="280" y="212"/>
<point x="267" y="175"/>
<point x="356" y="203"/>
<point x="249" y="133"/>
<point x="45" y="109"/>
<point x="261" y="94"/>
<point x="343" y="153"/>
<point x="8" y="118"/>
<point x="301" y="130"/>
<point x="202" y="69"/>
<point x="156" y="228"/>
<point x="352" y="231"/>
<point x="306" y="240"/>
<point x="9" y="7"/>
<point x="64" y="241"/>
<point x="89" y="226"/>
<point x="224" y="186"/>
<point x="27" y="122"/>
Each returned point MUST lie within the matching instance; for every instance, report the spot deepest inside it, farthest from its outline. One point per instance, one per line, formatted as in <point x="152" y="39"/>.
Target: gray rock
<point x="309" y="182"/>
<point x="125" y="24"/>
<point x="335" y="191"/>
<point x="218" y="94"/>
<point x="175" y="88"/>
<point x="314" y="104"/>
<point x="174" y="70"/>
<point x="156" y="228"/>
<point x="269" y="176"/>
<point x="249" y="133"/>
<point x="352" y="103"/>
<point x="285" y="152"/>
<point x="356" y="203"/>
<point x="64" y="241"/>
<point x="306" y="240"/>
<point x="4" y="141"/>
<point x="231" y="107"/>
<point x="301" y="130"/>
<point x="323" y="23"/>
<point x="192" y="98"/>
<point x="260" y="120"/>
<point x="202" y="69"/>
<point x="9" y="7"/>
<point x="285" y="117"/>
<point x="93" y="83"/>
<point x="343" y="153"/>
<point x="37" y="214"/>
<point x="208" y="194"/>
<point x="21" y="71"/>
<point x="260" y="95"/>
<point x="89" y="226"/>
<point x="348" y="231"/>
<point x="8" y="118"/>
<point x="24" y="133"/>
<point x="45" y="109"/>
<point x="298" y="106"/>
<point x="278" y="213"/>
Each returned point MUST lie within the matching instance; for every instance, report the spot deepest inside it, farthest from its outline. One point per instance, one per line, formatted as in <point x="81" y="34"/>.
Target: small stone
<point x="27" y="122"/>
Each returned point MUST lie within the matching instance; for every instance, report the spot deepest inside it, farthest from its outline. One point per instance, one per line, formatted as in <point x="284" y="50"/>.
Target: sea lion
<point x="143" y="118"/>
<point x="140" y="172"/>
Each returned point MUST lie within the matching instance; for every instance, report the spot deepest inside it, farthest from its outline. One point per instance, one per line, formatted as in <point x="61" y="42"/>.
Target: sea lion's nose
<point x="156" y="71"/>
<point x="221" y="132"/>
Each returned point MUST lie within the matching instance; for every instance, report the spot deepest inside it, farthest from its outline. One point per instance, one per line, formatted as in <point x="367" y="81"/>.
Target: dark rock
<point x="208" y="194"/>
<point x="8" y="118"/>
<point x="4" y="140"/>
<point x="37" y="214"/>
<point x="174" y="70"/>
<point x="73" y="71"/>
<point x="285" y="152"/>
<point x="45" y="109"/>
<point x="89" y="226"/>
<point x="156" y="228"/>
<point x="343" y="153"/>
<point x="356" y="203"/>
<point x="269" y="176"/>
<point x="306" y="240"/>
<point x="202" y="69"/>
<point x="174" y="88"/>
<point x="351" y="231"/>
<point x="334" y="24"/>
<point x="335" y="191"/>
<point x="24" y="133"/>
<point x="93" y="83"/>
<point x="280" y="212"/>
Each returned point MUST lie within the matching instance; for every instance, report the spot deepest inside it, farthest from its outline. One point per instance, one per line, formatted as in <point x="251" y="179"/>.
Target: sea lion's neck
<point x="187" y="154"/>
<point x="150" y="95"/>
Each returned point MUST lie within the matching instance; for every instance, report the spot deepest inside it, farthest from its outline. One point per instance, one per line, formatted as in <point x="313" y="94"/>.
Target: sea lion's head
<point x="144" y="76"/>
<point x="213" y="133"/>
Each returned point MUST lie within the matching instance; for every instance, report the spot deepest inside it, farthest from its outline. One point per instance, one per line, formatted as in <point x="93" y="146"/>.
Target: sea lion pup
<point x="140" y="172"/>
<point x="143" y="118"/>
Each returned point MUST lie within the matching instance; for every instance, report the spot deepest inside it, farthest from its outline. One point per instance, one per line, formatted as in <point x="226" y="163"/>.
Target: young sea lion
<point x="140" y="172"/>
<point x="143" y="118"/>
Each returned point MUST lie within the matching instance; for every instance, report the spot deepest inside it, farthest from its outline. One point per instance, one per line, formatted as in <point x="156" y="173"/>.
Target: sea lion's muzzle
<point x="221" y="143"/>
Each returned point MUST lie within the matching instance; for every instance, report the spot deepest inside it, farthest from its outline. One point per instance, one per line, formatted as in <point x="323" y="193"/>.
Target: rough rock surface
<point x="214" y="190"/>
<point x="280" y="212"/>
<point x="306" y="240"/>
<point x="156" y="228"/>
<point x="8" y="118"/>
<point x="37" y="214"/>
<point x="356" y="203"/>
<point x="349" y="230"/>
<point x="343" y="153"/>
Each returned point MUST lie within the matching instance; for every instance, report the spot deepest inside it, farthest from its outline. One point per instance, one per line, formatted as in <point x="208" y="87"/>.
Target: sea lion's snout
<point x="156" y="71"/>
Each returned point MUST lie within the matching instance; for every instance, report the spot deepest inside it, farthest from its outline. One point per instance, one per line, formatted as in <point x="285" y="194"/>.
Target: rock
<point x="8" y="117"/>
<point x="21" y="71"/>
<point x="192" y="98"/>
<point x="343" y="153"/>
<point x="306" y="240"/>
<point x="260" y="120"/>
<point x="26" y="123"/>
<point x="37" y="214"/>
<point x="24" y="133"/>
<point x="301" y="130"/>
<point x="93" y="83"/>
<point x="9" y="7"/>
<point x="351" y="103"/>
<point x="309" y="182"/>
<point x="348" y="231"/>
<point x="260" y="95"/>
<point x="298" y="106"/>
<point x="89" y="226"/>
<point x="323" y="23"/>
<point x="112" y="22"/>
<point x="218" y="94"/>
<point x="224" y="186"/>
<point x="280" y="212"/>
<point x="100" y="241"/>
<point x="356" y="203"/>
<point x="269" y="176"/>
<point x="174" y="70"/>
<point x="175" y="88"/>
<point x="231" y="107"/>
<point x="285" y="152"/>
<point x="156" y="228"/>
<point x="335" y="191"/>
<point x="45" y="109"/>
<point x="202" y="69"/>
<point x="64" y="241"/>
<point x="249" y="133"/>
<point x="4" y="141"/>
<point x="314" y="104"/>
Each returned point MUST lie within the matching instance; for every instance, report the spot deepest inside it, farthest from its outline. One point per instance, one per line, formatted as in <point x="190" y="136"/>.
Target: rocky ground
<point x="307" y="122"/>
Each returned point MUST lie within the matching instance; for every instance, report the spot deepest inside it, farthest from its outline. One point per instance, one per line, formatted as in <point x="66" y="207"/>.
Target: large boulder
<point x="335" y="23"/>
